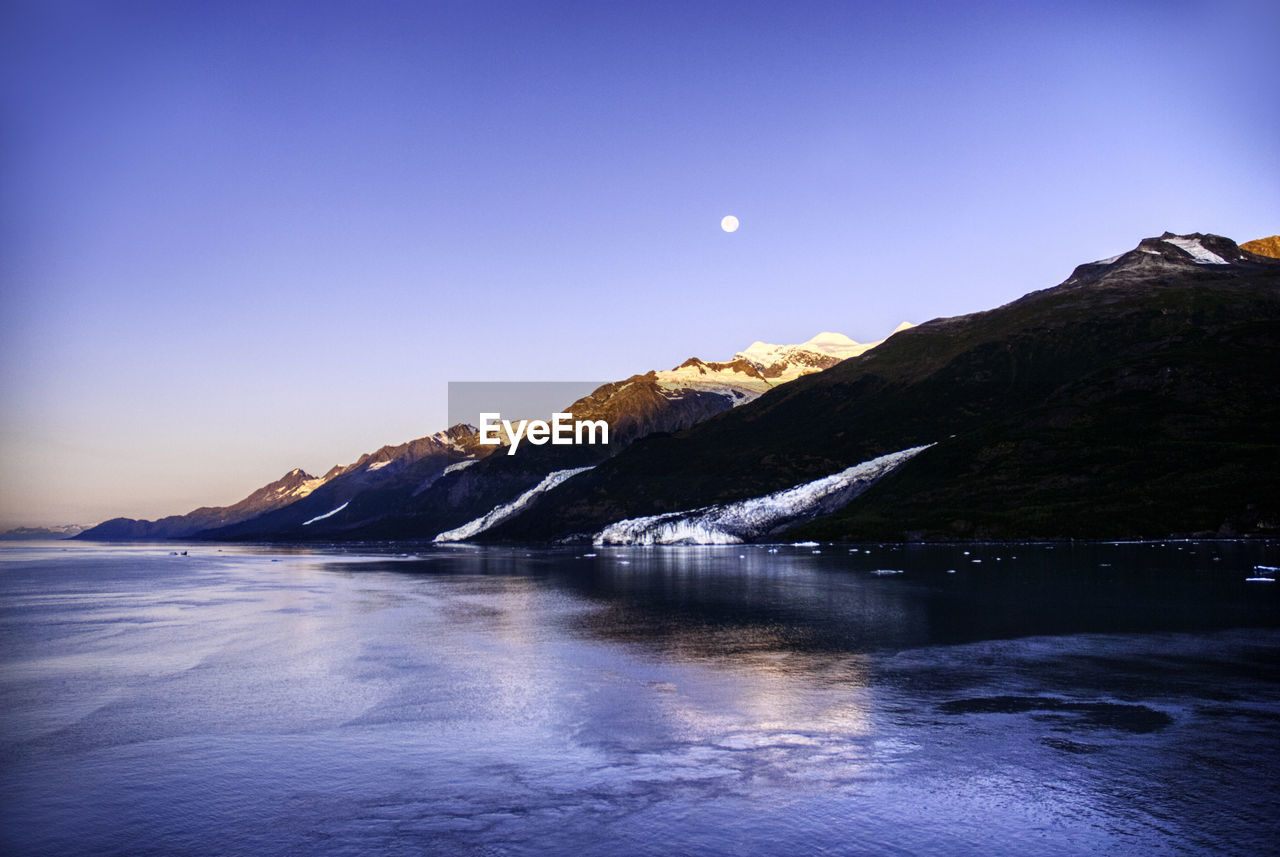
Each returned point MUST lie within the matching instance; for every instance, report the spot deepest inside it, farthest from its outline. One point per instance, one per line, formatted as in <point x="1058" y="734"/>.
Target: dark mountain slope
<point x="1137" y="398"/>
<point x="362" y="492"/>
<point x="633" y="408"/>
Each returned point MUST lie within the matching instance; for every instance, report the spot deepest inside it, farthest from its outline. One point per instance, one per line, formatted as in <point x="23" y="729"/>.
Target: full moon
<point x="729" y="223"/>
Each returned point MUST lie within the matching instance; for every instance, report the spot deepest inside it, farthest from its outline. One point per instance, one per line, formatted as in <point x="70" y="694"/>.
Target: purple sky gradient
<point x="236" y="238"/>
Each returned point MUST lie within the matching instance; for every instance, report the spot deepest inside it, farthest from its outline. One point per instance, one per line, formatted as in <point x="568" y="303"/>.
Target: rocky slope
<point x="1269" y="246"/>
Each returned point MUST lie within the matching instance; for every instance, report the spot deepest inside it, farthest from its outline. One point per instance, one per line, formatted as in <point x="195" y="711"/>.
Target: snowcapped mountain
<point x="366" y="490"/>
<point x="60" y="531"/>
<point x="1139" y="398"/>
<point x="441" y="481"/>
<point x="782" y="363"/>
<point x="697" y="388"/>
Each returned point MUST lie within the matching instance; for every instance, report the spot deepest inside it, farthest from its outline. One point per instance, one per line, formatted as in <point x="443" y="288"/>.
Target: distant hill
<point x="41" y="533"/>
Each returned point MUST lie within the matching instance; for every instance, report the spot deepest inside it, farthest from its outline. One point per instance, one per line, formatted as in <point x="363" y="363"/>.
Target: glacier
<point x="756" y="517"/>
<point x="1197" y="251"/>
<point x="328" y="514"/>
<point x="505" y="511"/>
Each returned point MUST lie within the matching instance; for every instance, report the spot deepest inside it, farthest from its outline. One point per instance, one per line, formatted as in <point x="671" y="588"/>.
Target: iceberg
<point x="757" y="517"/>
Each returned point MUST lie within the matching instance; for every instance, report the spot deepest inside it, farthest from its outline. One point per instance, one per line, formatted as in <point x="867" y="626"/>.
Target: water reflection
<point x="753" y="605"/>
<point x="1030" y="699"/>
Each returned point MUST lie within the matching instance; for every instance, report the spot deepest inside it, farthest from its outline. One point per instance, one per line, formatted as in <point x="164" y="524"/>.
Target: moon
<point x="729" y="223"/>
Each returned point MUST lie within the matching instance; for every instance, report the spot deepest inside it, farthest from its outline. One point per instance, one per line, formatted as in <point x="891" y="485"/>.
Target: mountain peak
<point x="1167" y="254"/>
<point x="829" y="339"/>
<point x="1269" y="246"/>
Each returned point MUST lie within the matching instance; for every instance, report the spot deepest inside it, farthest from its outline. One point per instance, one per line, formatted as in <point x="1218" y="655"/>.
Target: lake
<point x="1028" y="699"/>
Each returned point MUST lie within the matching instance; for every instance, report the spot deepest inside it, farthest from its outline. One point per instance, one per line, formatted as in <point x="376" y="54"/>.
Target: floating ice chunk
<point x="883" y="571"/>
<point x="757" y="517"/>
<point x="328" y="514"/>
<point x="509" y="510"/>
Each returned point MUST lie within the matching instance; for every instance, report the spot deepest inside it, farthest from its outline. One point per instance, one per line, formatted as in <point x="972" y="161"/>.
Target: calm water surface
<point x="1028" y="700"/>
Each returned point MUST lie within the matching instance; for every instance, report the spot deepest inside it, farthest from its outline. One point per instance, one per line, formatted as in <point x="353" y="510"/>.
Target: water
<point x="1028" y="700"/>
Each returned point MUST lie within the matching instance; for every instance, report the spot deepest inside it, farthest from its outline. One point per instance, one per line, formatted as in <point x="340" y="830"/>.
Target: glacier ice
<point x="328" y="514"/>
<point x="505" y="511"/>
<point x="756" y="517"/>
<point x="1197" y="251"/>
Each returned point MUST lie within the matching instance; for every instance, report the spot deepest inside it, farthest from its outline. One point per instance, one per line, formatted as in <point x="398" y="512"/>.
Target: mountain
<point x="1264" y="246"/>
<point x="65" y="531"/>
<point x="1139" y="398"/>
<point x="362" y="492"/>
<point x="822" y="352"/>
<point x="289" y="488"/>
<point x="442" y="482"/>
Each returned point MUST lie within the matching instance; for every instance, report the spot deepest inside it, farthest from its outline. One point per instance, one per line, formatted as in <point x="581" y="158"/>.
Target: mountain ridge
<point x="395" y="476"/>
<point x="1096" y="333"/>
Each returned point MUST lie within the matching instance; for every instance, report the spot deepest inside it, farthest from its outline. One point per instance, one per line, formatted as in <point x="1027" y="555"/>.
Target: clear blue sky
<point x="240" y="237"/>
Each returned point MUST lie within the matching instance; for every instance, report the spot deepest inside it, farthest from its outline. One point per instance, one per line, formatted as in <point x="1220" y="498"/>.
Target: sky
<point x="242" y="237"/>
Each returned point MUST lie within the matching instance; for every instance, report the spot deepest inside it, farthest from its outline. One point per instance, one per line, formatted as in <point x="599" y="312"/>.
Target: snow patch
<point x="507" y="511"/>
<point x="1197" y="251"/>
<point x="459" y="465"/>
<point x="328" y="514"/>
<point x="835" y="344"/>
<point x="377" y="465"/>
<point x="307" y="487"/>
<point x="757" y="517"/>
